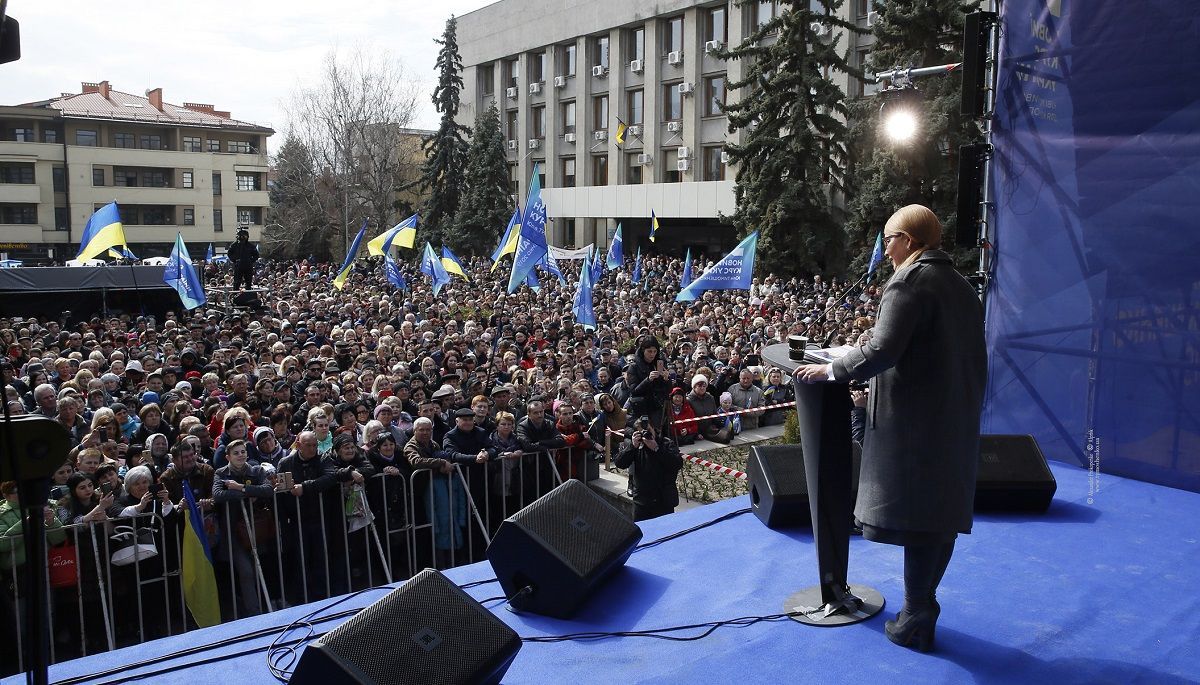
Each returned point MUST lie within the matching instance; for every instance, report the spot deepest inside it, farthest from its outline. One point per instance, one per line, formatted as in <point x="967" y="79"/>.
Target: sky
<point x="242" y="56"/>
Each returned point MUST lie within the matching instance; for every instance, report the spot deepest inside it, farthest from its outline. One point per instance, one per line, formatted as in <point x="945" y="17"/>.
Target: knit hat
<point x="699" y="378"/>
<point x="261" y="432"/>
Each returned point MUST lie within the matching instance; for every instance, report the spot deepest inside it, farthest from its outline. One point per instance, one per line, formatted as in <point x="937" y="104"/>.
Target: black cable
<point x="657" y="633"/>
<point x="693" y="529"/>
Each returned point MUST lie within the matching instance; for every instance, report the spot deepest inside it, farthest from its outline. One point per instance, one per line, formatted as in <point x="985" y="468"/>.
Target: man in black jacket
<point x="469" y="445"/>
<point x="243" y="255"/>
<point x="537" y="436"/>
<point x="304" y="536"/>
<point x="655" y="463"/>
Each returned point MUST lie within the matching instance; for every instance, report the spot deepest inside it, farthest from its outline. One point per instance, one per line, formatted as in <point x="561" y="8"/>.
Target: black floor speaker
<point x="1013" y="475"/>
<point x="559" y="549"/>
<point x="778" y="489"/>
<point x="426" y="631"/>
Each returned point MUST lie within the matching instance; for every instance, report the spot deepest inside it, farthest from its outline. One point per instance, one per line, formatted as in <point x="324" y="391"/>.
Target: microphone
<point x="838" y="301"/>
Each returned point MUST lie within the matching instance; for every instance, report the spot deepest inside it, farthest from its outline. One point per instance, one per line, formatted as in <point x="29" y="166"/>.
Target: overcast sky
<point x="243" y="56"/>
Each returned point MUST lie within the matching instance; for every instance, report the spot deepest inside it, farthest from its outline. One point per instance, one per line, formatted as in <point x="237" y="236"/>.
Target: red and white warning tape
<point x="765" y="407"/>
<point x="723" y="470"/>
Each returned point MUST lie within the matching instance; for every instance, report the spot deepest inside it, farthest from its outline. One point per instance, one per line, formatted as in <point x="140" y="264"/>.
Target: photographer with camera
<point x="243" y="255"/>
<point x="654" y="462"/>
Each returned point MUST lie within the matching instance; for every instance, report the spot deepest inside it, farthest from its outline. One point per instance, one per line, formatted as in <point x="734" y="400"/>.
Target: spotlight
<point x="898" y="113"/>
<point x="900" y="125"/>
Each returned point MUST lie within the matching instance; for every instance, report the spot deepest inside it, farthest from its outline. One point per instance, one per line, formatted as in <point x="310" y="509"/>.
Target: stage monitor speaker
<point x="425" y="631"/>
<point x="971" y="159"/>
<point x="1013" y="475"/>
<point x="976" y="32"/>
<point x="248" y="298"/>
<point x="778" y="488"/>
<point x="561" y="547"/>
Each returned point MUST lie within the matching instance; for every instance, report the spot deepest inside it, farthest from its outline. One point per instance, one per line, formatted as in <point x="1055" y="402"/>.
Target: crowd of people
<point x="312" y="401"/>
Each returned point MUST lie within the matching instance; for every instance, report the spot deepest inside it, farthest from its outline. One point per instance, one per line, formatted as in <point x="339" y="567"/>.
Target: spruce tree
<point x="888" y="175"/>
<point x="793" y="155"/>
<point x="487" y="201"/>
<point x="445" y="150"/>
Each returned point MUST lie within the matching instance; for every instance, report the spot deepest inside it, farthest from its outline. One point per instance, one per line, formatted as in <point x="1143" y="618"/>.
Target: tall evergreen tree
<point x="792" y="158"/>
<point x="445" y="150"/>
<point x="487" y="201"/>
<point x="888" y="175"/>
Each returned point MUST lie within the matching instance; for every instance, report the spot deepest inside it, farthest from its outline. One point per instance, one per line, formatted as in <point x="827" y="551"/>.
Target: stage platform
<point x="1087" y="593"/>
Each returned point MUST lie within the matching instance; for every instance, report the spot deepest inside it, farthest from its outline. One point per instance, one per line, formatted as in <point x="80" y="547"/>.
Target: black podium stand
<point x="823" y="415"/>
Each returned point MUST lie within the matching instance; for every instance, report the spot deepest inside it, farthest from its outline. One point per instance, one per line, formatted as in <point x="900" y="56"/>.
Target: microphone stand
<point x="839" y="300"/>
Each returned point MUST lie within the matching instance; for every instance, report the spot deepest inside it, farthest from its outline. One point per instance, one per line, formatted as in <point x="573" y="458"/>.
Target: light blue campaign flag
<point x="531" y="245"/>
<point x="877" y="255"/>
<point x="181" y="275"/>
<point x="637" y="267"/>
<point x="432" y="266"/>
<point x="597" y="266"/>
<point x="687" y="270"/>
<point x="582" y="306"/>
<point x="392" y="270"/>
<point x="208" y="256"/>
<point x="734" y="272"/>
<point x="613" y="261"/>
<point x="532" y="281"/>
<point x="550" y="264"/>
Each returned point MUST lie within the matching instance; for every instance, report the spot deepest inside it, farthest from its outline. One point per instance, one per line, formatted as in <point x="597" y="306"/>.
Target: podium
<point x="823" y="416"/>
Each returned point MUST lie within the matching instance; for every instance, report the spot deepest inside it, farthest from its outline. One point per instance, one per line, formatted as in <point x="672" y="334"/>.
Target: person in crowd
<point x="143" y="495"/>
<point x="235" y="427"/>
<point x="572" y="460"/>
<point x="704" y="404"/>
<point x="654" y="462"/>
<point x="681" y="418"/>
<point x="778" y="390"/>
<point x="237" y="485"/>
<point x="244" y="256"/>
<point x="311" y="519"/>
<point x="444" y="497"/>
<point x="83" y="504"/>
<point x="746" y="395"/>
<point x="13" y="575"/>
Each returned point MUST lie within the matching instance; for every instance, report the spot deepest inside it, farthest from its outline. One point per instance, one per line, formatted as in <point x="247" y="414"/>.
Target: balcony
<point x="22" y="193"/>
<point x="12" y="151"/>
<point x="154" y="196"/>
<point x="20" y="233"/>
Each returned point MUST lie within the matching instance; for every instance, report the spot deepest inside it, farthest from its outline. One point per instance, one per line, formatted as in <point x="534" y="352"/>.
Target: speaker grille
<point x="783" y="468"/>
<point x="594" y="528"/>
<point x="408" y="636"/>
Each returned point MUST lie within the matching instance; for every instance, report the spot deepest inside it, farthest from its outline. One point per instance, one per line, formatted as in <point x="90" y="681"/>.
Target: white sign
<point x="560" y="254"/>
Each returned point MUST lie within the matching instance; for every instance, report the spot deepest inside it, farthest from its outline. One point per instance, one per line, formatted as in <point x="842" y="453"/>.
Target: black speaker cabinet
<point x="562" y="547"/>
<point x="425" y="631"/>
<point x="1013" y="475"/>
<point x="971" y="160"/>
<point x="778" y="489"/>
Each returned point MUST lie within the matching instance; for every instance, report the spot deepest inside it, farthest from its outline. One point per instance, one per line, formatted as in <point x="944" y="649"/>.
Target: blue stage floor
<point x="1100" y="593"/>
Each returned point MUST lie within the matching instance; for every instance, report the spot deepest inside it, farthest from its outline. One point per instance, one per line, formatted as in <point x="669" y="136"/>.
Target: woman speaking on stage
<point x="927" y="366"/>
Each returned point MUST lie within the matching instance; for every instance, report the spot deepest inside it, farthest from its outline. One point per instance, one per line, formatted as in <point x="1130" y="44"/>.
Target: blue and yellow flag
<point x="452" y="264"/>
<point x="432" y="266"/>
<point x="181" y="275"/>
<point x="531" y="246"/>
<point x="508" y="242"/>
<point x="197" y="576"/>
<point x="103" y="231"/>
<point x="339" y="281"/>
<point x="621" y="128"/>
<point x="653" y="225"/>
<point x="123" y="253"/>
<point x="403" y="234"/>
<point x="686" y="279"/>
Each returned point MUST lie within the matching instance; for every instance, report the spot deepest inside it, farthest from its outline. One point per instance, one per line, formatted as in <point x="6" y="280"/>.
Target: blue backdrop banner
<point x="1094" y="312"/>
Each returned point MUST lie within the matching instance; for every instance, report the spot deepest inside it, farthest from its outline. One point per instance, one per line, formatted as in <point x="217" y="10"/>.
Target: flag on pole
<point x="339" y="281"/>
<point x="403" y="234"/>
<point x="613" y="261"/>
<point x="582" y="306"/>
<point x="208" y="256"/>
<point x="597" y="266"/>
<point x="653" y="225"/>
<point x="532" y="281"/>
<point x="877" y="255"/>
<point x="621" y="128"/>
<point x="181" y="275"/>
<point x="531" y="246"/>
<point x="451" y="263"/>
<point x="508" y="242"/>
<point x="637" y="267"/>
<point x="687" y="270"/>
<point x="103" y="230"/>
<point x="123" y="253"/>
<point x="196" y="571"/>
<point x="734" y="272"/>
<point x="550" y="264"/>
<point x="432" y="266"/>
<point x="392" y="270"/>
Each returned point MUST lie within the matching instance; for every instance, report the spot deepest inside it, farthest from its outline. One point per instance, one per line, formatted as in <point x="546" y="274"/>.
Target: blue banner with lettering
<point x="1094" y="312"/>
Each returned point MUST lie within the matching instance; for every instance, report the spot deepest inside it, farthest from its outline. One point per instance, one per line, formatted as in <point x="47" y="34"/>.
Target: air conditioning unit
<point x="686" y="88"/>
<point x="535" y="143"/>
<point x="634" y="131"/>
<point x="600" y="135"/>
<point x="675" y="57"/>
<point x="599" y="72"/>
<point x="674" y="126"/>
<point x="645" y="160"/>
<point x="535" y="88"/>
<point x="713" y="46"/>
<point x="683" y="164"/>
<point x="872" y="17"/>
<point x="684" y="152"/>
<point x="724" y="157"/>
<point x="637" y="66"/>
<point x="560" y="81"/>
<point x="512" y="145"/>
<point x="820" y="30"/>
<point x="511" y="92"/>
<point x="569" y="137"/>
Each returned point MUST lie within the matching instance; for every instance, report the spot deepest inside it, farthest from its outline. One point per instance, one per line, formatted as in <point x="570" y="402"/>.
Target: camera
<point x="858" y="385"/>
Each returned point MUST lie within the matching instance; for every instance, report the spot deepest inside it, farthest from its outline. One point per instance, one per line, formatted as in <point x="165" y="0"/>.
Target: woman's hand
<point x="391" y="471"/>
<point x="813" y="373"/>
<point x="146" y="500"/>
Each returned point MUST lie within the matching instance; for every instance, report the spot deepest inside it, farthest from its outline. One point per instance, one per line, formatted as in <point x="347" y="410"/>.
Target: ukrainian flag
<point x="653" y="225"/>
<point x="199" y="581"/>
<point x="403" y="234"/>
<point x="453" y="265"/>
<point x="621" y="132"/>
<point x="339" y="281"/>
<point x="508" y="243"/>
<point x="103" y="231"/>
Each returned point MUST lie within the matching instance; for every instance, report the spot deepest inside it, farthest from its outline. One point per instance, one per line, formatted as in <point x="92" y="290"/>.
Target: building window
<point x="214" y="145"/>
<point x="97" y="176"/>
<point x="569" y="232"/>
<point x="542" y="176"/>
<point x="714" y="168"/>
<point x="242" y="146"/>
<point x="486" y="79"/>
<point x="217" y="227"/>
<point x="13" y="172"/>
<point x="129" y="214"/>
<point x="126" y="140"/>
<point x="634" y="107"/>
<point x="765" y="12"/>
<point x="513" y="70"/>
<point x="537" y="68"/>
<point x="600" y="112"/>
<point x="158" y="216"/>
<point x="51" y="135"/>
<point x="568" y="116"/>
<point x="187" y="180"/>
<point x="514" y="179"/>
<point x="514" y="133"/>
<point x="125" y="178"/>
<point x="154" y="179"/>
<point x="85" y="137"/>
<point x="59" y="176"/>
<point x="537" y="120"/>
<point x="864" y="7"/>
<point x="18" y="214"/>
<point x="568" y="172"/>
<point x="637" y="43"/>
<point x="191" y="143"/>
<point x="189" y="216"/>
<point x="670" y="157"/>
<point x="150" y="142"/>
<point x="715" y="24"/>
<point x="714" y="95"/>
<point x="23" y="135"/>
<point x="633" y="168"/>
<point x="672" y="102"/>
<point x="865" y="86"/>
<point x="248" y="182"/>
<point x="61" y="218"/>
<point x="249" y="216"/>
<point x="600" y="51"/>
<point x="216" y="183"/>
<point x="566" y="60"/>
<point x="673" y="34"/>
<point x="600" y="170"/>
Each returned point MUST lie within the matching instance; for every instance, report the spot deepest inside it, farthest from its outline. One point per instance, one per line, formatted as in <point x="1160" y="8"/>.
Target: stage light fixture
<point x="899" y="112"/>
